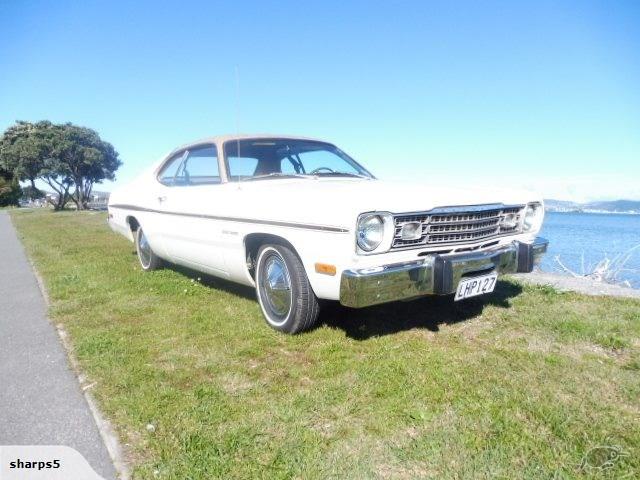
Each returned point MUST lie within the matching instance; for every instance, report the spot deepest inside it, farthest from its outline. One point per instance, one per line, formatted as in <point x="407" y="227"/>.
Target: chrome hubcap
<point x="277" y="285"/>
<point x="144" y="250"/>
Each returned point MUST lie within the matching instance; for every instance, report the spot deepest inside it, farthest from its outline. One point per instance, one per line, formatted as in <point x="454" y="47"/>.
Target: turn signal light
<point x="326" y="269"/>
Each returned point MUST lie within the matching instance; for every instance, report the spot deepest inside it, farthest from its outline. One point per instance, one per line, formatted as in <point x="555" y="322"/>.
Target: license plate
<point x="476" y="286"/>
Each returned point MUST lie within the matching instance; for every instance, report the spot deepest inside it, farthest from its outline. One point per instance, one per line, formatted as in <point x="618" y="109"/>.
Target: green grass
<point x="521" y="384"/>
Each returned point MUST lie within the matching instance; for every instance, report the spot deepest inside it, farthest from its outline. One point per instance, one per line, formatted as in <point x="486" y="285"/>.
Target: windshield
<point x="279" y="157"/>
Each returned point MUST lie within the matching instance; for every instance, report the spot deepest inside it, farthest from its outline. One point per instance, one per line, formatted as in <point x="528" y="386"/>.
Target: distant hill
<point x="614" y="206"/>
<point x="559" y="205"/>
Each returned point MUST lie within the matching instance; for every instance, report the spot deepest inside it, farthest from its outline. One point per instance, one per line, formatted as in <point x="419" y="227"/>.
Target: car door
<point x="156" y="222"/>
<point x="192" y="233"/>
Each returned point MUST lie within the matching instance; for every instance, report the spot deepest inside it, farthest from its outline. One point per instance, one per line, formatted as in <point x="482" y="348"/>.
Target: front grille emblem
<point x="411" y="231"/>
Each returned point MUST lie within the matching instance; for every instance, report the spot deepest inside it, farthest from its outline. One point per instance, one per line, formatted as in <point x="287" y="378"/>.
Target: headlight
<point x="370" y="232"/>
<point x="374" y="232"/>
<point x="533" y="217"/>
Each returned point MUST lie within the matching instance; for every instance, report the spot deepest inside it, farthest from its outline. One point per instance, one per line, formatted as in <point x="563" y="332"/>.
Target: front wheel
<point x="284" y="293"/>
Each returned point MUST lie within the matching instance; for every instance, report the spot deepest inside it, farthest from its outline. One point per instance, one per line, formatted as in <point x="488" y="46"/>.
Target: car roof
<point x="220" y="139"/>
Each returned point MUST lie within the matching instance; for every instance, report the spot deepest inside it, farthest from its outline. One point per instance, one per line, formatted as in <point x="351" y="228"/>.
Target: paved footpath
<point x="41" y="402"/>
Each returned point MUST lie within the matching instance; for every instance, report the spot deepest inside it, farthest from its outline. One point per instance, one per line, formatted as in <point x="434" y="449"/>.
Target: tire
<point x="148" y="260"/>
<point x="283" y="290"/>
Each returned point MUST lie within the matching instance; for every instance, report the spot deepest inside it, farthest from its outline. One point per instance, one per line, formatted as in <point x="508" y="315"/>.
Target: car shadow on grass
<point x="215" y="283"/>
<point x="423" y="313"/>
<point x="386" y="319"/>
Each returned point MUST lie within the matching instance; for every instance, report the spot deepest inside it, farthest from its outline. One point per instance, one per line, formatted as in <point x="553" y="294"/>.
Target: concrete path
<point x="41" y="402"/>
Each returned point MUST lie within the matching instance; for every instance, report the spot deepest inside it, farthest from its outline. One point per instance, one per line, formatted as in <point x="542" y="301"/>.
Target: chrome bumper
<point x="435" y="274"/>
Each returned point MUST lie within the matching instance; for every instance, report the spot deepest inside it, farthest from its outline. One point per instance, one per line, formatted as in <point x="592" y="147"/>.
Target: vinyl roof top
<point x="218" y="139"/>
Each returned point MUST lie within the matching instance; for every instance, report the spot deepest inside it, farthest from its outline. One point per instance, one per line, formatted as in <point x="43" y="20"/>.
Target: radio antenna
<point x="238" y="109"/>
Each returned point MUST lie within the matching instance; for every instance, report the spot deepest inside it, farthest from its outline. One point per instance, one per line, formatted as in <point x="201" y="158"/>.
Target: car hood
<point x="340" y="201"/>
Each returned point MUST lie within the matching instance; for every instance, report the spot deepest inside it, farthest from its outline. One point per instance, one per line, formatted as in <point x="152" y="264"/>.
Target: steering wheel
<point x="317" y="170"/>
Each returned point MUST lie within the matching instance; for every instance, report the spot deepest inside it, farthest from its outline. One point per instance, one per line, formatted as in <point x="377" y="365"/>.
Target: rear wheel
<point x="284" y="293"/>
<point x="148" y="260"/>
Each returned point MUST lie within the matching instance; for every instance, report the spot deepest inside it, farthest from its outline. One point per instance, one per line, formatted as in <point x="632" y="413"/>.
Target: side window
<point x="241" y="167"/>
<point x="168" y="173"/>
<point x="200" y="167"/>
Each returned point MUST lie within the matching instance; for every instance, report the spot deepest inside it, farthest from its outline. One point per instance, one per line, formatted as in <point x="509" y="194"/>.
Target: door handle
<point x="162" y="198"/>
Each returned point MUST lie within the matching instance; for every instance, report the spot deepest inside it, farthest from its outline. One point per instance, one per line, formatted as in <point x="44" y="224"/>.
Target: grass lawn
<point x="521" y="384"/>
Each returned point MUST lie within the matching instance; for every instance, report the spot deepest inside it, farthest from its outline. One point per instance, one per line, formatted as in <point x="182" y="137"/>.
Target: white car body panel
<point x="204" y="227"/>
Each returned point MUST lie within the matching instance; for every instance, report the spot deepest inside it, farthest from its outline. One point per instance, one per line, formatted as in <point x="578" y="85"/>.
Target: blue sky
<point x="544" y="95"/>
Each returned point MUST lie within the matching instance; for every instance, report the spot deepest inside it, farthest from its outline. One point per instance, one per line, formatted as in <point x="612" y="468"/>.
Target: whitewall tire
<point x="148" y="260"/>
<point x="285" y="295"/>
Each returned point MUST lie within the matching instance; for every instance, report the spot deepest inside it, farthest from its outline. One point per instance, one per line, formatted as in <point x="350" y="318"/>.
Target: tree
<point x="86" y="159"/>
<point x="24" y="148"/>
<point x="31" y="193"/>
<point x="27" y="150"/>
<point x="9" y="189"/>
<point x="64" y="156"/>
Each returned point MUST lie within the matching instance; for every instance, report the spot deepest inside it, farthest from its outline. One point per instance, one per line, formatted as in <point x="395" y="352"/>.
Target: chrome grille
<point x="449" y="225"/>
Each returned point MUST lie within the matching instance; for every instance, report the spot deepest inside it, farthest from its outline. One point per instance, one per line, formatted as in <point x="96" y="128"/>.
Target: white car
<point x="300" y="220"/>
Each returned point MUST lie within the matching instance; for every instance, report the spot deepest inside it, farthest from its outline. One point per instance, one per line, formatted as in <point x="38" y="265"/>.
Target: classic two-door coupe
<point x="300" y="220"/>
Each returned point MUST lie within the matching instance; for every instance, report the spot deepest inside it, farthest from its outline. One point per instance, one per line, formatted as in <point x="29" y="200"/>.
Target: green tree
<point x="9" y="189"/>
<point x="31" y="193"/>
<point x="86" y="159"/>
<point x="68" y="158"/>
<point x="24" y="147"/>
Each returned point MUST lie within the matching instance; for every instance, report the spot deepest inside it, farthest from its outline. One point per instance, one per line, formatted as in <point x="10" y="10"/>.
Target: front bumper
<point x="435" y="274"/>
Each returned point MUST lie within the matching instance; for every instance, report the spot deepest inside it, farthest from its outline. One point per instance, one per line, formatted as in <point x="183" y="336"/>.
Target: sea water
<point x="581" y="240"/>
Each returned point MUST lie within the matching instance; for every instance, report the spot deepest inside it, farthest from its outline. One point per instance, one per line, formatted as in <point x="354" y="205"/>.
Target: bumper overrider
<point x="435" y="274"/>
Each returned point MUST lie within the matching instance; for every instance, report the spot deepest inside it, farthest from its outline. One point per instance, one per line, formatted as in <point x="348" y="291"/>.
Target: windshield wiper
<point x="345" y="174"/>
<point x="274" y="175"/>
